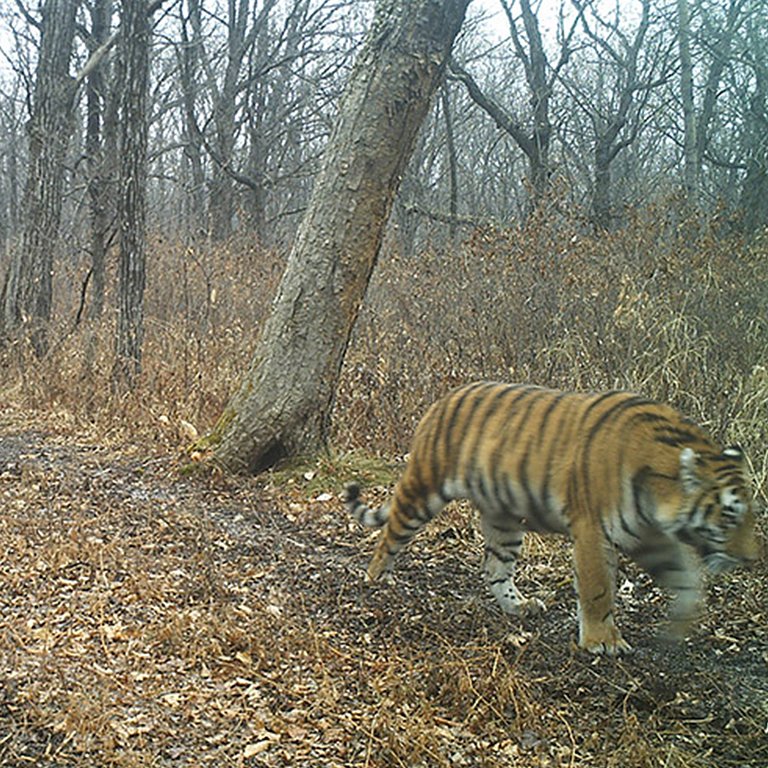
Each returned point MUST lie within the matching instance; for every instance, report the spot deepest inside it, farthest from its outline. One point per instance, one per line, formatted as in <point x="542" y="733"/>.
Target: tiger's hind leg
<point x="503" y="541"/>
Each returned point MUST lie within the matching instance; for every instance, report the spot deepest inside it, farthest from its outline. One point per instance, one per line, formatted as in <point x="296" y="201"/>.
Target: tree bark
<point x="27" y="294"/>
<point x="754" y="193"/>
<point x="450" y="146"/>
<point x="98" y="162"/>
<point x="190" y="70"/>
<point x="285" y="400"/>
<point x="132" y="178"/>
<point x="9" y="189"/>
<point x="690" y="143"/>
<point x="541" y="91"/>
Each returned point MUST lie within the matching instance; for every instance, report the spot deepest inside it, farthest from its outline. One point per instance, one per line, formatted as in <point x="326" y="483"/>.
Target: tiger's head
<point x="718" y="519"/>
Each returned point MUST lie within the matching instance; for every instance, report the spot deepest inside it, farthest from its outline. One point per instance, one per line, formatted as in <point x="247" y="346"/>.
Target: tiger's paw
<point x="512" y="602"/>
<point x="676" y="630"/>
<point x="530" y="606"/>
<point x="374" y="572"/>
<point x="380" y="564"/>
<point x="384" y="576"/>
<point x="608" y="644"/>
<point x="521" y="607"/>
<point x="682" y="622"/>
<point x="351" y="493"/>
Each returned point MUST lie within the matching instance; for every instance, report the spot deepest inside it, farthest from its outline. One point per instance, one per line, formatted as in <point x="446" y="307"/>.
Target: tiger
<point x="612" y="470"/>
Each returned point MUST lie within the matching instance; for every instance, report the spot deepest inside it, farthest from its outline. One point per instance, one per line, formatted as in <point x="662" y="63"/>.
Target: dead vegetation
<point x="150" y="618"/>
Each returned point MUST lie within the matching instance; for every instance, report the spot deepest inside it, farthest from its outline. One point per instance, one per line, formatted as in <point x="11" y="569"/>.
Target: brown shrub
<point x="670" y="306"/>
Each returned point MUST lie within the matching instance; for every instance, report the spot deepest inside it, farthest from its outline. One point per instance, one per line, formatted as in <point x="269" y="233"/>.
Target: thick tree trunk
<point x="27" y="294"/>
<point x="134" y="63"/>
<point x="284" y="403"/>
<point x="98" y="162"/>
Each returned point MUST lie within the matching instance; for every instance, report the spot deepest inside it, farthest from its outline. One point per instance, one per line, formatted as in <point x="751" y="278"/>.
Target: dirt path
<point x="152" y="620"/>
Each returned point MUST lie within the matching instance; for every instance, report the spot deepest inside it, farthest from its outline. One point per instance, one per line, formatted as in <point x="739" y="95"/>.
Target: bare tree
<point x="247" y="81"/>
<point x="754" y="192"/>
<point x="714" y="38"/>
<point x="100" y="138"/>
<point x="27" y="291"/>
<point x="132" y="177"/>
<point x="190" y="55"/>
<point x="241" y="34"/>
<point x="284" y="403"/>
<point x="691" y="169"/>
<point x="627" y="67"/>
<point x="11" y="126"/>
<point x="534" y="134"/>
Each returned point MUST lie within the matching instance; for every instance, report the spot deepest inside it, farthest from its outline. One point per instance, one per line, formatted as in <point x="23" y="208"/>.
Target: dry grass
<point x="152" y="619"/>
<point x="655" y="308"/>
<point x="668" y="306"/>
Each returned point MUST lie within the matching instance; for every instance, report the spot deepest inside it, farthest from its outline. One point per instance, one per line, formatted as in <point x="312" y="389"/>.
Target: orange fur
<point x="611" y="470"/>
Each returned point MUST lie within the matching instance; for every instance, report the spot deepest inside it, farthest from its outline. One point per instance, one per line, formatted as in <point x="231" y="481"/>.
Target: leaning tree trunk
<point x="284" y="402"/>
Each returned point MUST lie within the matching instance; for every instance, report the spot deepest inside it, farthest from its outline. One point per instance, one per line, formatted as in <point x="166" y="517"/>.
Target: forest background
<point x="585" y="208"/>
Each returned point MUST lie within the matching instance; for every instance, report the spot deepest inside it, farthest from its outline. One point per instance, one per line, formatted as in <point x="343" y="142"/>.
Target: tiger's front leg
<point x="674" y="567"/>
<point x="595" y="566"/>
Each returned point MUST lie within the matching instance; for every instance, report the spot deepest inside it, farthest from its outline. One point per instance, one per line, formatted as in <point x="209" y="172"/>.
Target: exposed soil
<point x="151" y="619"/>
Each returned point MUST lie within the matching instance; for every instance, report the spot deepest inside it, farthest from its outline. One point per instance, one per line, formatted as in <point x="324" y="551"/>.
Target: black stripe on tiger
<point x="508" y="396"/>
<point x="513" y="441"/>
<point x="676" y="437"/>
<point x="463" y="413"/>
<point x="551" y="446"/>
<point x="624" y="403"/>
<point x="588" y="466"/>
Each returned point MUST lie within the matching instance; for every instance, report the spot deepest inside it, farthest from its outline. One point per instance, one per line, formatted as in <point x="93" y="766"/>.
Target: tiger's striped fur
<point x="611" y="470"/>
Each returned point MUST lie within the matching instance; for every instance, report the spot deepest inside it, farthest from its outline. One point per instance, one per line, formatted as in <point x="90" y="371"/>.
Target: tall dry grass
<point x="670" y="306"/>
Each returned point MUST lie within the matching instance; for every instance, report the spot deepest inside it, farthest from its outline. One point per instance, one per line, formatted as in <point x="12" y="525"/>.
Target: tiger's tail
<point x="401" y="517"/>
<point x="365" y="515"/>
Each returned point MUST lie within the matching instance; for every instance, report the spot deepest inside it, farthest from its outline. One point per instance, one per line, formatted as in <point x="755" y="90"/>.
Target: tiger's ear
<point x="688" y="475"/>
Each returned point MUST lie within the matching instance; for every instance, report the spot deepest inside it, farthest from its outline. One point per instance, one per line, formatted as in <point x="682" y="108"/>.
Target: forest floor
<point x="153" y="619"/>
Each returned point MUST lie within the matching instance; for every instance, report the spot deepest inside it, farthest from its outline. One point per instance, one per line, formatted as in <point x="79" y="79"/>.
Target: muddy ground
<point x="153" y="619"/>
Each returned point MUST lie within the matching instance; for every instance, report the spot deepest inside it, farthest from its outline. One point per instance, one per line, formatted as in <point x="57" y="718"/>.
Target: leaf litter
<point x="153" y="619"/>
